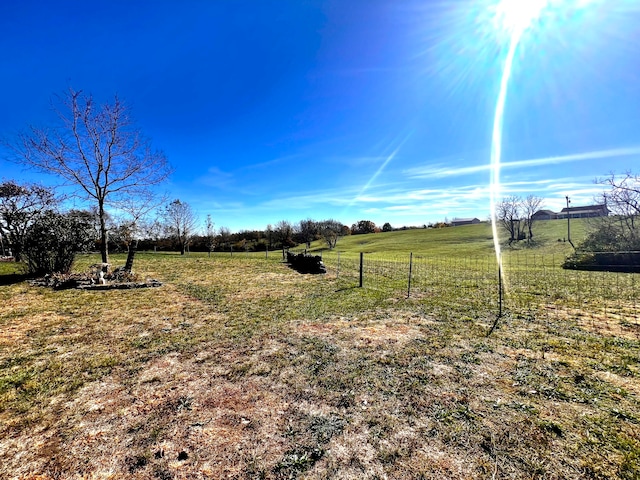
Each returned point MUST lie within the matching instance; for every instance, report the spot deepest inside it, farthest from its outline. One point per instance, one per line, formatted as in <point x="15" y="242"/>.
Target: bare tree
<point x="225" y="236"/>
<point x="331" y="230"/>
<point x="20" y="206"/>
<point x="621" y="230"/>
<point x="97" y="150"/>
<point x="131" y="225"/>
<point x="623" y="198"/>
<point x="180" y="222"/>
<point x="308" y="230"/>
<point x="509" y="214"/>
<point x="152" y="229"/>
<point x="529" y="207"/>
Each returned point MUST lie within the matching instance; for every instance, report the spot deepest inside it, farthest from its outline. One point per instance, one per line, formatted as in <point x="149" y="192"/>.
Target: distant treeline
<point x="280" y="236"/>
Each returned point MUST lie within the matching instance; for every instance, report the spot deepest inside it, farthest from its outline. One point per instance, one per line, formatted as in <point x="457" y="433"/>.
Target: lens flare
<point x="517" y="15"/>
<point x="513" y="16"/>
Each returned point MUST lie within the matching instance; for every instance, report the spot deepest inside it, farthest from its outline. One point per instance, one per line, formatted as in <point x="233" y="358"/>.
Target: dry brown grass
<point x="245" y="369"/>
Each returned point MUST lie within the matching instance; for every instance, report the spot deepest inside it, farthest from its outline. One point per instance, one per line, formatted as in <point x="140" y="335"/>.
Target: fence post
<point x="361" y="267"/>
<point x="338" y="267"/>
<point x="499" y="316"/>
<point x="500" y="287"/>
<point x="410" y="269"/>
<point x="266" y="252"/>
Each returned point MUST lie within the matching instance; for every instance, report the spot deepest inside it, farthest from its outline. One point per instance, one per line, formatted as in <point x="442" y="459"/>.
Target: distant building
<point x="544" y="215"/>
<point x="587" y="211"/>
<point x="456" y="222"/>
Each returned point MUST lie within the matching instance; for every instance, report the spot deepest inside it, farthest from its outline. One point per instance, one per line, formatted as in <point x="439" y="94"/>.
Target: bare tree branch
<point x="95" y="149"/>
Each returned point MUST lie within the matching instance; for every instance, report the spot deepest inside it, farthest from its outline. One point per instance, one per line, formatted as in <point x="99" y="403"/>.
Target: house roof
<point x="586" y="208"/>
<point x="464" y="219"/>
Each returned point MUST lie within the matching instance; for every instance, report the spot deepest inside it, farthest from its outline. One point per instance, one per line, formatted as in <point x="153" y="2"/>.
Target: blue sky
<point x="345" y="109"/>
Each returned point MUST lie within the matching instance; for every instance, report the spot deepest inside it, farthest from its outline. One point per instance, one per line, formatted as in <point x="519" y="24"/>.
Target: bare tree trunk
<point x="131" y="253"/>
<point x="104" y="237"/>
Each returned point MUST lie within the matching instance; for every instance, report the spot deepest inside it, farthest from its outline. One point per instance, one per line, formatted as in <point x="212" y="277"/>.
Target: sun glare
<point x="515" y="16"/>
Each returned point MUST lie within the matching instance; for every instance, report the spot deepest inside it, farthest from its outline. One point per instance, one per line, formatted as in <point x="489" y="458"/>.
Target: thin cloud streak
<point x="391" y="156"/>
<point x="440" y="172"/>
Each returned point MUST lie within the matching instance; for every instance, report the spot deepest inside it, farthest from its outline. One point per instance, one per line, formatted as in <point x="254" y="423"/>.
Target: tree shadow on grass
<point x="13" y="278"/>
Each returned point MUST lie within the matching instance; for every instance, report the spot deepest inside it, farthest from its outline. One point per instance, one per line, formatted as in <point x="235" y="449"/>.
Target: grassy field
<point x="464" y="241"/>
<point x="239" y="367"/>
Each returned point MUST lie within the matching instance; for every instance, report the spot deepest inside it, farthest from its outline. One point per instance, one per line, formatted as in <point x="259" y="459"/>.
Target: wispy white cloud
<point x="440" y="171"/>
<point x="407" y="202"/>
<point x="216" y="178"/>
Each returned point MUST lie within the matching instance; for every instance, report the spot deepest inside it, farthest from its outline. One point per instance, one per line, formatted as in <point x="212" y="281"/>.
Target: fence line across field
<point x="532" y="284"/>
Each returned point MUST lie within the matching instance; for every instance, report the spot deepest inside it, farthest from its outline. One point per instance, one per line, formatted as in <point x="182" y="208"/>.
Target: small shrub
<point x="53" y="240"/>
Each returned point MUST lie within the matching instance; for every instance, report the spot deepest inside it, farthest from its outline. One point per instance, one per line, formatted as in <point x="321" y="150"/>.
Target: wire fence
<point x="530" y="285"/>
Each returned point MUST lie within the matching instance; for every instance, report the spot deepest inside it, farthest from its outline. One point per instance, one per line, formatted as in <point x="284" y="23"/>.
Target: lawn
<point x="239" y="367"/>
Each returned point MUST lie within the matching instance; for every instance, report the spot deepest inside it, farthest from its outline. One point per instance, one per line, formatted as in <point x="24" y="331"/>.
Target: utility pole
<point x="569" y="222"/>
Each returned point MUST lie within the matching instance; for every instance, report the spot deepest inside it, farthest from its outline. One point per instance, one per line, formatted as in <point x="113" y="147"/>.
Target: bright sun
<point x="515" y="16"/>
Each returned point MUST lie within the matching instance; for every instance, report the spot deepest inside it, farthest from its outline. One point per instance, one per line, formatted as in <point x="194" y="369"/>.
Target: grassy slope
<point x="255" y="371"/>
<point x="468" y="240"/>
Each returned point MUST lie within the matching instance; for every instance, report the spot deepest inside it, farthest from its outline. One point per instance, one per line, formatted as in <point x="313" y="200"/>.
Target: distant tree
<point x="308" y="230"/>
<point x="508" y="212"/>
<point x="53" y="239"/>
<point x="243" y="244"/>
<point x="387" y="227"/>
<point x="269" y="234"/>
<point x="330" y="231"/>
<point x="96" y="149"/>
<point x="284" y="233"/>
<point x="152" y="230"/>
<point x="363" y="226"/>
<point x="441" y="225"/>
<point x="130" y="223"/>
<point x="529" y="207"/>
<point x="210" y="234"/>
<point x="20" y="206"/>
<point x="224" y="237"/>
<point x="180" y="222"/>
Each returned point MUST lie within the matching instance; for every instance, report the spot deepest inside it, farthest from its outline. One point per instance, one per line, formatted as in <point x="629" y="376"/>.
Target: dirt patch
<point x="392" y="326"/>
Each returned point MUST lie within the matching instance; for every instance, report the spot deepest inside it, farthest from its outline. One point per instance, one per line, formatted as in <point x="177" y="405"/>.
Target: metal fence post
<point x="410" y="269"/>
<point x="499" y="316"/>
<point x="361" y="267"/>
<point x="500" y="287"/>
